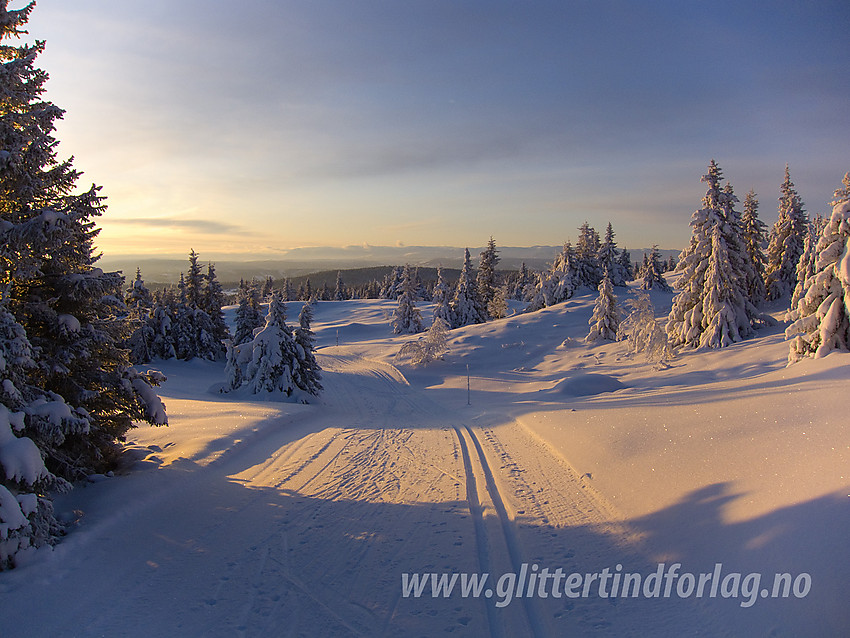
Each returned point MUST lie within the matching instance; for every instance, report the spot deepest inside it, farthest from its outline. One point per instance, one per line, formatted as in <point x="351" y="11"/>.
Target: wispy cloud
<point x="197" y="225"/>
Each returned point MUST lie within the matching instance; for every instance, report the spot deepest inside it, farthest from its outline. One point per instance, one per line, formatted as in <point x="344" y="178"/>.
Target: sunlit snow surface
<point x="261" y="518"/>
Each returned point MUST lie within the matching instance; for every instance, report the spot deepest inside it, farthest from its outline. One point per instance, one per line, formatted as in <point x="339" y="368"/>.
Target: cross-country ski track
<point x="304" y="526"/>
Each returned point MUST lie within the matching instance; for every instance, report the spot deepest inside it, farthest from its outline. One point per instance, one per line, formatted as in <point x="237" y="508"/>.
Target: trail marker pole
<point x="467" y="385"/>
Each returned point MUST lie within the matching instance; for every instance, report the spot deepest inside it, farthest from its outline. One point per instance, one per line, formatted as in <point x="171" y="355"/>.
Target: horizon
<point x="326" y="124"/>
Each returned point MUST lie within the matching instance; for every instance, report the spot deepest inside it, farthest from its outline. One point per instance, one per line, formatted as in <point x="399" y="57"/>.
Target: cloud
<point x="197" y="225"/>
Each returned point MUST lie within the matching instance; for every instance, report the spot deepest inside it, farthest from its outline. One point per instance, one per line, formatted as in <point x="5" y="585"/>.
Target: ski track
<point x="312" y="540"/>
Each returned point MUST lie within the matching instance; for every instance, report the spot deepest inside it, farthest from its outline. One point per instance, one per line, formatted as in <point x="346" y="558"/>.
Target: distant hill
<point x="322" y="263"/>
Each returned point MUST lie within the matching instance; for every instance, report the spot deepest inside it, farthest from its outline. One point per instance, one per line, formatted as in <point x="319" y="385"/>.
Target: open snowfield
<point x="262" y="518"/>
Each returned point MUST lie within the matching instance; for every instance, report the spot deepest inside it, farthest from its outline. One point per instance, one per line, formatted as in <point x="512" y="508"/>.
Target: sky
<point x="248" y="129"/>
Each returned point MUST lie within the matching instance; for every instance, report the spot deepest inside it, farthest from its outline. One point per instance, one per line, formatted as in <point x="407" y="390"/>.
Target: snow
<point x="249" y="518"/>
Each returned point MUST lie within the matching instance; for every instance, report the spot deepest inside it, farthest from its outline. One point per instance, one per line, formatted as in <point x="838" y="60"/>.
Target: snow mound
<point x="584" y="385"/>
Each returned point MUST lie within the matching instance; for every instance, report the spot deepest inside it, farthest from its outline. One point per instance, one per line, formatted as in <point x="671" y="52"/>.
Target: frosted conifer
<point x="754" y="236"/>
<point x="486" y="277"/>
<point x="407" y="319"/>
<point x="712" y="309"/>
<point x="651" y="277"/>
<point x="823" y="313"/>
<point x="73" y="312"/>
<point x="786" y="242"/>
<point x="605" y="321"/>
<point x="441" y="298"/>
<point x="466" y="305"/>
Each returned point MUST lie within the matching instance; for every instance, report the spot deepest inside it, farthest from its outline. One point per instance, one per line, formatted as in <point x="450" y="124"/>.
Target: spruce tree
<point x="823" y="313"/>
<point x="486" y="277"/>
<point x="441" y="298"/>
<point x="651" y="275"/>
<point x="339" y="288"/>
<point x="308" y="374"/>
<point x="73" y="312"/>
<point x="212" y="297"/>
<point x="588" y="270"/>
<point x="754" y="236"/>
<point x="605" y="321"/>
<point x="407" y="319"/>
<point x="466" y="304"/>
<point x="786" y="242"/>
<point x="140" y="304"/>
<point x="712" y="309"/>
<point x="609" y="258"/>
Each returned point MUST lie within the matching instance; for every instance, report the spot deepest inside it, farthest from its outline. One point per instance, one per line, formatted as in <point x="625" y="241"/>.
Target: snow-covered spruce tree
<point x="406" y="318"/>
<point x="587" y="268"/>
<point x="139" y="301"/>
<point x="339" y="288"/>
<point x="557" y="284"/>
<point x="643" y="332"/>
<point x="392" y="284"/>
<point x="625" y="261"/>
<point x="248" y="317"/>
<point x="754" y="236"/>
<point x="651" y="277"/>
<point x="823" y="314"/>
<point x="266" y="363"/>
<point x="26" y="512"/>
<point x="429" y="348"/>
<point x="498" y="306"/>
<point x="441" y="297"/>
<point x="486" y="277"/>
<point x="605" y="320"/>
<point x="308" y="374"/>
<point x="212" y="300"/>
<point x="786" y="242"/>
<point x="806" y="265"/>
<point x="466" y="304"/>
<point x="712" y="309"/>
<point x="609" y="258"/>
<point x="523" y="289"/>
<point x="72" y="311"/>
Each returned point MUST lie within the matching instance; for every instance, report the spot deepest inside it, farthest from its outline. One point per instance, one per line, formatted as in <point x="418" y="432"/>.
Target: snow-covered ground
<point x="260" y="518"/>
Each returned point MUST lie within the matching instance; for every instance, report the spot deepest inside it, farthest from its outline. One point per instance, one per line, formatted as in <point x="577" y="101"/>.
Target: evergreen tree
<point x="26" y="512"/>
<point x="212" y="302"/>
<point x="268" y="287"/>
<point x="73" y="312"/>
<point x="524" y="288"/>
<point x="786" y="242"/>
<point x="712" y="309"/>
<point x="651" y="277"/>
<point x="308" y="374"/>
<point x="588" y="271"/>
<point x="248" y="317"/>
<point x="273" y="354"/>
<point x="754" y="236"/>
<point x="339" y="288"/>
<point x="193" y="282"/>
<point x="486" y="277"/>
<point x="140" y="303"/>
<point x="466" y="304"/>
<point x="609" y="258"/>
<point x="806" y="265"/>
<point x="605" y="320"/>
<point x="407" y="318"/>
<point x="626" y="265"/>
<point x="138" y="296"/>
<point x="823" y="313"/>
<point x="498" y="306"/>
<point x="556" y="285"/>
<point x="441" y="298"/>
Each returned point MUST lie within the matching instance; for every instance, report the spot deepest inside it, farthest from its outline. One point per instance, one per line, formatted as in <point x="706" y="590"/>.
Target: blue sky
<point x="251" y="128"/>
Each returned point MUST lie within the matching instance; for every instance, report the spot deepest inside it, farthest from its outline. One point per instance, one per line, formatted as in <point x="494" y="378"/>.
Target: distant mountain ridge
<point x="304" y="261"/>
